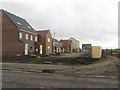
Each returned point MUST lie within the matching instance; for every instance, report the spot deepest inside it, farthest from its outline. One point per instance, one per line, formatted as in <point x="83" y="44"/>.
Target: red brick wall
<point x="29" y="41"/>
<point x="10" y="44"/>
<point x="48" y="51"/>
<point x="45" y="43"/>
<point x="66" y="44"/>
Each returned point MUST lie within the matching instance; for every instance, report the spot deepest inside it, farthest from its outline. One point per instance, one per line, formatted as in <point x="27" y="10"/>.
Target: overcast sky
<point x="89" y="21"/>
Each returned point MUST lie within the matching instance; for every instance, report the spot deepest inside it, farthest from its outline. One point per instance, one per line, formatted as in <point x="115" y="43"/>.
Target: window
<point x="48" y="47"/>
<point x="48" y="39"/>
<point x="19" y="23"/>
<point x="36" y="38"/>
<point x="36" y="49"/>
<point x="31" y="48"/>
<point x="20" y="35"/>
<point x="31" y="38"/>
<point x="29" y="27"/>
<point x="26" y="36"/>
<point x="53" y="43"/>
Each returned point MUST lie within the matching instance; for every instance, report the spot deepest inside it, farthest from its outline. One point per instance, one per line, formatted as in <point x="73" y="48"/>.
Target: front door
<point x="26" y="48"/>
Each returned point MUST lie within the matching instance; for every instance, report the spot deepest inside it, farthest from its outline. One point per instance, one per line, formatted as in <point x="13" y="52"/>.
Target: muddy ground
<point x="107" y="65"/>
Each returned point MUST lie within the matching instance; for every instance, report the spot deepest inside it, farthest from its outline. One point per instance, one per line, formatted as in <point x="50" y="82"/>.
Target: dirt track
<point x="105" y="66"/>
<point x="80" y="66"/>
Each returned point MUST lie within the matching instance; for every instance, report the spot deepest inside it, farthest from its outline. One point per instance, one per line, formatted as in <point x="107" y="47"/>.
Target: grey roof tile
<point x="20" y="22"/>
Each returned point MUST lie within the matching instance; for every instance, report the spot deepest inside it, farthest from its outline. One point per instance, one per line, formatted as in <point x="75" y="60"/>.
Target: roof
<point x="66" y="41"/>
<point x="86" y="44"/>
<point x="57" y="43"/>
<point x="43" y="33"/>
<point x="19" y="22"/>
<point x="73" y="39"/>
<point x="55" y="40"/>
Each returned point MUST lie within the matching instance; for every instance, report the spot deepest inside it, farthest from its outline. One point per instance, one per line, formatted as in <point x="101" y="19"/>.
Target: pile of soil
<point x="66" y="60"/>
<point x="105" y="66"/>
<point x="51" y="60"/>
<point x="18" y="59"/>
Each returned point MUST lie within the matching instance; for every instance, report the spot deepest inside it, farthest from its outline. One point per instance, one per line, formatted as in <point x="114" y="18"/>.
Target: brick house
<point x="57" y="46"/>
<point x="66" y="46"/>
<point x="75" y="45"/>
<point x="46" y="41"/>
<point x="18" y="36"/>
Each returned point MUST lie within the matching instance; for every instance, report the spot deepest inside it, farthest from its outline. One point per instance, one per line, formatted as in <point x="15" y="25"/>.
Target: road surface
<point x="20" y="79"/>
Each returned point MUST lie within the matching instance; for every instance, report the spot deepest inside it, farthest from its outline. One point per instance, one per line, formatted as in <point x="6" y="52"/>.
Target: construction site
<point x="92" y="68"/>
<point x="57" y="72"/>
<point x="79" y="64"/>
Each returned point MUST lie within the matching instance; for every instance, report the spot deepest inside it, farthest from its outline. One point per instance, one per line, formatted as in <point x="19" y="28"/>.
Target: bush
<point x="33" y="55"/>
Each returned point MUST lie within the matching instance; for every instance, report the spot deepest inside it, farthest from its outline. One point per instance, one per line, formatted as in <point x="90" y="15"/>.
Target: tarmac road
<point x="20" y="79"/>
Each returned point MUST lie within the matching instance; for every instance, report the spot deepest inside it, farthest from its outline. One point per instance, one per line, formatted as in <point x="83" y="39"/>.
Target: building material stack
<point x="91" y="51"/>
<point x="96" y="52"/>
<point x="87" y="50"/>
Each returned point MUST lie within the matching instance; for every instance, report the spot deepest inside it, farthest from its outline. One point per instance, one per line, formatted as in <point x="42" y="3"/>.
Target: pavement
<point x="32" y="66"/>
<point x="78" y="70"/>
<point x="15" y="79"/>
<point x="20" y="75"/>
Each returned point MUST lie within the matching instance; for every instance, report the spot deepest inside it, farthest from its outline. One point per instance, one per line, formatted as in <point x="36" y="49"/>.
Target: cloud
<point x="92" y="21"/>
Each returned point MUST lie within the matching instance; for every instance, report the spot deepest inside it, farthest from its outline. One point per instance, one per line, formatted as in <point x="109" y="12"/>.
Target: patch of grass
<point x="40" y="55"/>
<point x="118" y="49"/>
<point x="38" y="62"/>
<point x="33" y="55"/>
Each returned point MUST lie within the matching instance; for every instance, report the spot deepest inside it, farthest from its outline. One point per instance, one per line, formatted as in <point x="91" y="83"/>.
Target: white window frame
<point x="48" y="47"/>
<point x="20" y="34"/>
<point x="36" y="49"/>
<point x="31" y="37"/>
<point x="36" y="39"/>
<point x="54" y="43"/>
<point x="26" y="36"/>
<point x="48" y="39"/>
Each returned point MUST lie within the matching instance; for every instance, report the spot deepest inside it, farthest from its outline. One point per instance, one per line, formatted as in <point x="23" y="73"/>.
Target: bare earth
<point x="100" y="74"/>
<point x="105" y="66"/>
